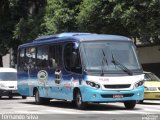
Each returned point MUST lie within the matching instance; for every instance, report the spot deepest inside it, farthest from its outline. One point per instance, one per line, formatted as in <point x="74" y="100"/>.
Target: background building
<point x="150" y="58"/>
<point x="6" y="60"/>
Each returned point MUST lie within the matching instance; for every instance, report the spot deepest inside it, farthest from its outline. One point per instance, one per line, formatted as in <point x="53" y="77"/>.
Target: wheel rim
<point x="37" y="97"/>
<point x="79" y="99"/>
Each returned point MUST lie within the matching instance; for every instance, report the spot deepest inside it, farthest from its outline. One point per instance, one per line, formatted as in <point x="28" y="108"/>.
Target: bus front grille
<point x="11" y="86"/>
<point x="117" y="86"/>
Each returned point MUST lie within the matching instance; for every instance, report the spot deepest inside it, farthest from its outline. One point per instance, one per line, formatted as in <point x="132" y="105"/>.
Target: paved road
<point x="65" y="110"/>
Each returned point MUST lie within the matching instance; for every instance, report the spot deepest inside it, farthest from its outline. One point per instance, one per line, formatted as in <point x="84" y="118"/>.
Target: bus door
<point x="73" y="68"/>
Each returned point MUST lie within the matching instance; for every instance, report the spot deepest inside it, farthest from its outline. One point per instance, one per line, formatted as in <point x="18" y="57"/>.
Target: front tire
<point x="39" y="100"/>
<point x="10" y="97"/>
<point x="140" y="101"/>
<point x="79" y="102"/>
<point x="130" y="104"/>
<point x="24" y="97"/>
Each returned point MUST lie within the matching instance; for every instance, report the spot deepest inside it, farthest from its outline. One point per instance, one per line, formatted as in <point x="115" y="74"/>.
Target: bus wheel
<point x="140" y="101"/>
<point x="130" y="104"/>
<point x="10" y="97"/>
<point x="24" y="97"/>
<point x="78" y="101"/>
<point x="39" y="100"/>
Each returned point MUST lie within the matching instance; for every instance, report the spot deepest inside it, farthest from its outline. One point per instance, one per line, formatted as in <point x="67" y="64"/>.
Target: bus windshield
<point x="110" y="56"/>
<point x="8" y="76"/>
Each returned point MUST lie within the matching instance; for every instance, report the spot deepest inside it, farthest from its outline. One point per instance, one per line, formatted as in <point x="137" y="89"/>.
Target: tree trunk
<point x="1" y="61"/>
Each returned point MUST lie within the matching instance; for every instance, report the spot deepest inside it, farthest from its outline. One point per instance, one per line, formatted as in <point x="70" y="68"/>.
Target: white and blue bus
<point x="82" y="68"/>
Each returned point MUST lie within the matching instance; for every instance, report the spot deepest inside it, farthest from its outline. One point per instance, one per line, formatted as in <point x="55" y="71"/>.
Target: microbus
<point x="82" y="68"/>
<point x="8" y="82"/>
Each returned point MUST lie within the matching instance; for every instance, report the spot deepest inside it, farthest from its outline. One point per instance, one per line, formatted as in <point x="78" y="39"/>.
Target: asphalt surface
<point x="25" y="109"/>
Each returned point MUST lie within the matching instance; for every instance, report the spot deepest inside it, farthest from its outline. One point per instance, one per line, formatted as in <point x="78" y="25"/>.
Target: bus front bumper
<point x="95" y="95"/>
<point x="9" y="92"/>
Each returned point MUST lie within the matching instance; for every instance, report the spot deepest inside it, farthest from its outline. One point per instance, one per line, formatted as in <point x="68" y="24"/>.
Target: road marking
<point x="28" y="112"/>
<point x="152" y="110"/>
<point x="26" y="107"/>
<point x="61" y="112"/>
<point x="109" y="108"/>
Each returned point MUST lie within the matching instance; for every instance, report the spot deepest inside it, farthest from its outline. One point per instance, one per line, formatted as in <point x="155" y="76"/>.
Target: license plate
<point x="152" y="89"/>
<point x="14" y="91"/>
<point x="117" y="96"/>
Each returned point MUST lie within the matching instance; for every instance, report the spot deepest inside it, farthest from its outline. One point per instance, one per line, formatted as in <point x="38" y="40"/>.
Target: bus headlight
<point x="93" y="84"/>
<point x="146" y="88"/>
<point x="138" y="84"/>
<point x="2" y="86"/>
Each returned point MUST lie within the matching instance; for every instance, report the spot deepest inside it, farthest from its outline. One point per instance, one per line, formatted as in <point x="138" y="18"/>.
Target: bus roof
<point x="74" y="37"/>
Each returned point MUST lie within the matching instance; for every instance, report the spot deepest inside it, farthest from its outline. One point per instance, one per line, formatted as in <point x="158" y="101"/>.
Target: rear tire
<point x="24" y="97"/>
<point x="10" y="97"/>
<point x="39" y="100"/>
<point x="140" y="101"/>
<point x="130" y="104"/>
<point x="78" y="101"/>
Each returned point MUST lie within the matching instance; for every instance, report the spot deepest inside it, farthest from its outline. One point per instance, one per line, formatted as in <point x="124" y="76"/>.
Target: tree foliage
<point x="140" y="18"/>
<point x="6" y="27"/>
<point x="97" y="16"/>
<point x="29" y="25"/>
<point x="60" y="16"/>
<point x="20" y="22"/>
<point x="134" y="18"/>
<point x="7" y="22"/>
<point x="24" y="20"/>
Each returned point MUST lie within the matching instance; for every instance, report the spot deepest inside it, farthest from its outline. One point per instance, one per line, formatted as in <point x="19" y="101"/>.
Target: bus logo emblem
<point x="42" y="76"/>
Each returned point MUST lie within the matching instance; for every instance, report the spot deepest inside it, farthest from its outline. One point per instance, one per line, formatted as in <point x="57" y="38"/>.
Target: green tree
<point x="30" y="17"/>
<point x="24" y="20"/>
<point x="6" y="28"/>
<point x="137" y="19"/>
<point x="20" y="22"/>
<point x="60" y="16"/>
<point x="97" y="16"/>
<point x="140" y="18"/>
<point x="29" y="25"/>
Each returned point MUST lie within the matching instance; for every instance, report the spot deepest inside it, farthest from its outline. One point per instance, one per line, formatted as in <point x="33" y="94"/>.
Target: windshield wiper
<point x="103" y="59"/>
<point x="121" y="66"/>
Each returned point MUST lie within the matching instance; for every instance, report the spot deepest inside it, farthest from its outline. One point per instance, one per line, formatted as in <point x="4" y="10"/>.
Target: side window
<point x="30" y="57"/>
<point x="42" y="57"/>
<point x="55" y="54"/>
<point x="21" y="59"/>
<point x="72" y="58"/>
